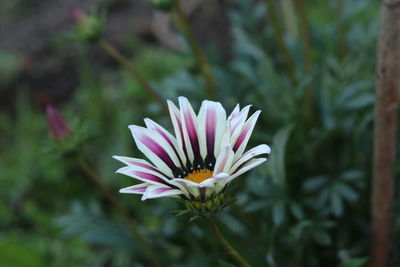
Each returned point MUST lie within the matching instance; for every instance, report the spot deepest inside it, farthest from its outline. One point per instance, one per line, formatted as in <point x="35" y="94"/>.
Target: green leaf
<point x="354" y="262"/>
<point x="278" y="213"/>
<point x="14" y="253"/>
<point x="297" y="211"/>
<point x="336" y="204"/>
<point x="277" y="161"/>
<point x="321" y="237"/>
<point x="314" y="183"/>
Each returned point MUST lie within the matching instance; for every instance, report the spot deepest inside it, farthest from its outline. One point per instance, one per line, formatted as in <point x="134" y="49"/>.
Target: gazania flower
<point x="204" y="156"/>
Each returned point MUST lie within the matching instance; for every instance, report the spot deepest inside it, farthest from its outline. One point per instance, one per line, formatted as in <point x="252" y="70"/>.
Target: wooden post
<point x="386" y="110"/>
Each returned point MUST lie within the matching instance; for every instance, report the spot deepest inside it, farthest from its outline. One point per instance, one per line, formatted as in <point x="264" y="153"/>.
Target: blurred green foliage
<point x="307" y="206"/>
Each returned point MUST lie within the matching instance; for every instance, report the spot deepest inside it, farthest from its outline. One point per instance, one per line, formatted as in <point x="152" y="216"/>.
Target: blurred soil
<point x="32" y="30"/>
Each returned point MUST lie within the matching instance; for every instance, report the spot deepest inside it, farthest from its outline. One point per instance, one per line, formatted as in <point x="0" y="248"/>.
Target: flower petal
<point x="235" y="112"/>
<point x="156" y="149"/>
<point x="189" y="126"/>
<point x="167" y="137"/>
<point x="255" y="151"/>
<point x="135" y="189"/>
<point x="249" y="165"/>
<point x="237" y="122"/>
<point x="138" y="162"/>
<point x="177" y="124"/>
<point x="224" y="160"/>
<point x="243" y="139"/>
<point x="143" y="175"/>
<point x="211" y="127"/>
<point x="191" y="188"/>
<point x="160" y="191"/>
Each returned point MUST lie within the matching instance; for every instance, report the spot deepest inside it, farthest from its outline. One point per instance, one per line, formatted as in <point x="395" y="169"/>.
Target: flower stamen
<point x="199" y="176"/>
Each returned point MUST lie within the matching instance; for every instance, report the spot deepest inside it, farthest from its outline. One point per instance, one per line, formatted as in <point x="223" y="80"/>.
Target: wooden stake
<point x="386" y="110"/>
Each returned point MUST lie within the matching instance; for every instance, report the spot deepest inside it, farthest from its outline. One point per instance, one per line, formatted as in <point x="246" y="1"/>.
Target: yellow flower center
<point x="199" y="175"/>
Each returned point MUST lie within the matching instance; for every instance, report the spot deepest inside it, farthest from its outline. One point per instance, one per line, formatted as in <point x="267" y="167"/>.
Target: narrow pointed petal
<point x="189" y="126"/>
<point x="211" y="127"/>
<point x="224" y="160"/>
<point x="135" y="189"/>
<point x="138" y="162"/>
<point x="143" y="175"/>
<point x="155" y="149"/>
<point x="248" y="166"/>
<point x="235" y="112"/>
<point x="237" y="123"/>
<point x="212" y="181"/>
<point x="255" y="151"/>
<point x="167" y="137"/>
<point x="215" y="184"/>
<point x="245" y="134"/>
<point x="177" y="124"/>
<point x="160" y="191"/>
<point x="191" y="188"/>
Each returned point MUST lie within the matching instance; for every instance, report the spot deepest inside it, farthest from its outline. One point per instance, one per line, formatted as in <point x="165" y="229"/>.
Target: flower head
<point x="204" y="156"/>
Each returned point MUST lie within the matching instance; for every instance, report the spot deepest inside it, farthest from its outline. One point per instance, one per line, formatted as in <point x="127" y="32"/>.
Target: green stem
<point x="150" y="254"/>
<point x="272" y="13"/>
<point x="135" y="73"/>
<point x="228" y="247"/>
<point x="308" y="101"/>
<point x="340" y="29"/>
<point x="182" y="22"/>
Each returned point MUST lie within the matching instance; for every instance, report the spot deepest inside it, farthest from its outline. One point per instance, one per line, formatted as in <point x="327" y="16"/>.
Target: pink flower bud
<point x="58" y="126"/>
<point x="78" y="15"/>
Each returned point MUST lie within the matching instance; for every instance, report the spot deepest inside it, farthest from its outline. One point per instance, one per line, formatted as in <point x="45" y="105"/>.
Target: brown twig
<point x="279" y="32"/>
<point x="307" y="51"/>
<point x="386" y="117"/>
<point x="135" y="73"/>
<point x="183" y="23"/>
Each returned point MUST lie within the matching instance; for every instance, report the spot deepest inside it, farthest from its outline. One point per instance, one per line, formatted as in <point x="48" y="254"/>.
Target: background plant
<point x="310" y="201"/>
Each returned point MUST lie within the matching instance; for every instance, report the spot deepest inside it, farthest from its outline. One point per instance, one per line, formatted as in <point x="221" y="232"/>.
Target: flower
<point x="205" y="155"/>
<point x="58" y="126"/>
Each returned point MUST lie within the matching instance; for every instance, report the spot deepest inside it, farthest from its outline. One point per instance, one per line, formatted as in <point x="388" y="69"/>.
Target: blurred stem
<point x="144" y="245"/>
<point x="231" y="251"/>
<point x="385" y="131"/>
<point x="340" y="29"/>
<point x="305" y="33"/>
<point x="272" y="13"/>
<point x="306" y="36"/>
<point x="113" y="52"/>
<point x="182" y="22"/>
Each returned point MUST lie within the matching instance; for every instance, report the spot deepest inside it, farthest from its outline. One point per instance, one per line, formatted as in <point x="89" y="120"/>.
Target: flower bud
<point x="58" y="127"/>
<point x="162" y="5"/>
<point x="89" y="28"/>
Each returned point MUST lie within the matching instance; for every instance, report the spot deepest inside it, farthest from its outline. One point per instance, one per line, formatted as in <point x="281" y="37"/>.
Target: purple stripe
<point x="223" y="162"/>
<point x="148" y="176"/>
<point x="235" y="126"/>
<point x="137" y="189"/>
<point x="202" y="191"/>
<point x="191" y="130"/>
<point x="157" y="149"/>
<point x="211" y="121"/>
<point x="158" y="130"/>
<point x="161" y="190"/>
<point x="178" y="120"/>
<point x="241" y="137"/>
<point x="146" y="166"/>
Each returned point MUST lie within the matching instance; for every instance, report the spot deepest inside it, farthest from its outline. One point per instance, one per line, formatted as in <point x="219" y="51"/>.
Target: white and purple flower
<point x="204" y="156"/>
